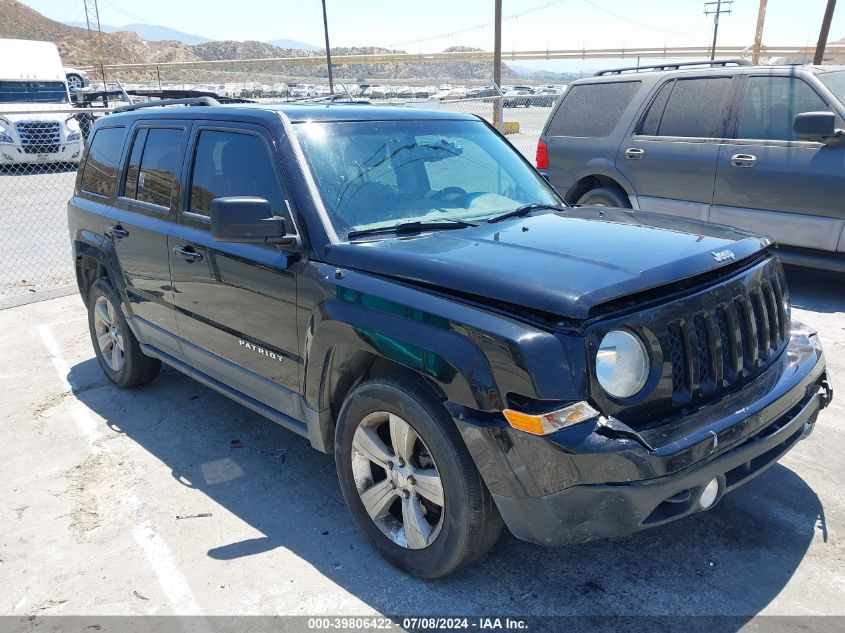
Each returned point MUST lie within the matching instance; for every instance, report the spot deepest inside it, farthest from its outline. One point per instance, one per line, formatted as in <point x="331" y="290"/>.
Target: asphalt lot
<point x="94" y="480"/>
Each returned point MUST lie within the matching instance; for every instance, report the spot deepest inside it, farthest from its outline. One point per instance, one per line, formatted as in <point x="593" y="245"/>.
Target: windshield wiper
<point x="524" y="209"/>
<point x="412" y="227"/>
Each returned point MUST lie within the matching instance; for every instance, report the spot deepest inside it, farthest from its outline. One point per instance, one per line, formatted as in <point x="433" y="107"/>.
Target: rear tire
<point x="609" y="196"/>
<point x="117" y="350"/>
<point x="455" y="521"/>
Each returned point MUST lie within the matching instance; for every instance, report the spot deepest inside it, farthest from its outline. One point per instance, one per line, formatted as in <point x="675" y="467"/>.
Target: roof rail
<point x="194" y="101"/>
<point x="710" y="63"/>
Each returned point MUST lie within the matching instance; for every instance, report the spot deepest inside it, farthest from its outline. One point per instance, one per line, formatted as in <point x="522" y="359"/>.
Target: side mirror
<point x="248" y="220"/>
<point x="814" y="126"/>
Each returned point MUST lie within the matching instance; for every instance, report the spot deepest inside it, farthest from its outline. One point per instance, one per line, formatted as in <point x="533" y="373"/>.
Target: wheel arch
<point x="598" y="172"/>
<point x="594" y="181"/>
<point x="340" y="354"/>
<point x="90" y="263"/>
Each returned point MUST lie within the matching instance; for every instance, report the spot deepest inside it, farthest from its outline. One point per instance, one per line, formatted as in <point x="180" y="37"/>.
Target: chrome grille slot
<point x="39" y="137"/>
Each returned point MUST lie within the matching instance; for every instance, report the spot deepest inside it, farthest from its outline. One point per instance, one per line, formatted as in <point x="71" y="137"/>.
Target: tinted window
<point x="651" y="121"/>
<point x="592" y="109"/>
<point x="232" y="164"/>
<point x="159" y="162"/>
<point x="33" y="92"/>
<point x="696" y="108"/>
<point x="130" y="188"/>
<point x="100" y="171"/>
<point x="769" y="105"/>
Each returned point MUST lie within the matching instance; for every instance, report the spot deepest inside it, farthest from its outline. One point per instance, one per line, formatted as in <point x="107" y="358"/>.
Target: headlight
<point x="622" y="364"/>
<point x="5" y="138"/>
<point x="73" y="136"/>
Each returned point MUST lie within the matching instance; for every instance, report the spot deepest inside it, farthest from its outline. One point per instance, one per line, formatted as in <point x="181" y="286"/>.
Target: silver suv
<point x="754" y="147"/>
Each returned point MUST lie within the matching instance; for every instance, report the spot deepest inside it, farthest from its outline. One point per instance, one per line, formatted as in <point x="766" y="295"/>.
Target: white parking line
<point x="173" y="583"/>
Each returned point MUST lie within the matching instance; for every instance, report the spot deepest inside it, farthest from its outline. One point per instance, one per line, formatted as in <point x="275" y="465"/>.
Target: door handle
<point x="188" y="255"/>
<point x="634" y="153"/>
<point x="117" y="232"/>
<point x="743" y="160"/>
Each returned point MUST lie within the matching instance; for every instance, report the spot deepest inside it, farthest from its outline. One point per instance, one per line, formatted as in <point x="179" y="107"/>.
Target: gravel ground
<point x="95" y="480"/>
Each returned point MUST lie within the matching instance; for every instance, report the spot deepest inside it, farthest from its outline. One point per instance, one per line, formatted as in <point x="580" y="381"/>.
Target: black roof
<point x="299" y="112"/>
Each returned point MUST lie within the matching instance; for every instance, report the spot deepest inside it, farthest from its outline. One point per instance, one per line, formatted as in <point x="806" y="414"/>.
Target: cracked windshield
<point x="375" y="174"/>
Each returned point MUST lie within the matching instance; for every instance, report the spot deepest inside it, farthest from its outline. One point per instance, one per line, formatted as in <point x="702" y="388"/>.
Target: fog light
<point x="708" y="497"/>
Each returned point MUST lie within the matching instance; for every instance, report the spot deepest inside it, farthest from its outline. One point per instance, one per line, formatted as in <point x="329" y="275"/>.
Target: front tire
<point x="409" y="481"/>
<point x="117" y="350"/>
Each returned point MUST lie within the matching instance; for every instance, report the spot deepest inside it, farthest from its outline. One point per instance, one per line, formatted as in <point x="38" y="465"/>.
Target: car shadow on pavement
<point x="732" y="560"/>
<point x="817" y="290"/>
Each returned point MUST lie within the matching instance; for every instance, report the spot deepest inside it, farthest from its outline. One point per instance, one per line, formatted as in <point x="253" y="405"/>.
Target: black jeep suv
<point x="402" y="288"/>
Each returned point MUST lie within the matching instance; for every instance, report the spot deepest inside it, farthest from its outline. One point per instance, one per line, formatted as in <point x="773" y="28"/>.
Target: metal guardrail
<point x="650" y="52"/>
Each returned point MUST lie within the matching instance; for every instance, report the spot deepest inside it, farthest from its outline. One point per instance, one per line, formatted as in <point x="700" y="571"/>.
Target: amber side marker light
<point x="545" y="423"/>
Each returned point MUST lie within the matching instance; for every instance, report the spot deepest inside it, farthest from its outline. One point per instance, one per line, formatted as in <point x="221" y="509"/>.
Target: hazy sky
<point x="432" y="25"/>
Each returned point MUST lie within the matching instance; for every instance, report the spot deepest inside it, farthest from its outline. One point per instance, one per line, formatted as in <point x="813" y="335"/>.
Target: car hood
<point x="562" y="263"/>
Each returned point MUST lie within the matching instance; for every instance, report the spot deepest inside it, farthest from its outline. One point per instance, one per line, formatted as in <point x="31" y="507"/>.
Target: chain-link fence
<point x="39" y="152"/>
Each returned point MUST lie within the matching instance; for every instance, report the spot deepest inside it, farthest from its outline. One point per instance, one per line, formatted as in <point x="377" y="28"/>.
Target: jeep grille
<point x="721" y="344"/>
<point x="711" y="342"/>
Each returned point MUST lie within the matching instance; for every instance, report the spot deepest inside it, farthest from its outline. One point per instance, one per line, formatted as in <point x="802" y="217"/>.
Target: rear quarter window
<point x="99" y="174"/>
<point x="592" y="110"/>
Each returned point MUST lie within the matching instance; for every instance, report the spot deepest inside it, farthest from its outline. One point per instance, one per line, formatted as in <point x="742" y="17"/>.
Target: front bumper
<point x="69" y="152"/>
<point x="591" y="481"/>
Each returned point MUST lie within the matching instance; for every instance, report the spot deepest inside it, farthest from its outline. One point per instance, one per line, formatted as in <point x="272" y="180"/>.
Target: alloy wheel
<point x="397" y="480"/>
<point x="109" y="333"/>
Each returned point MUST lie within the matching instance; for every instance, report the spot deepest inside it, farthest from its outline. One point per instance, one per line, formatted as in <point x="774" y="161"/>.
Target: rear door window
<point x="100" y="172"/>
<point x="158" y="167"/>
<point x="592" y="110"/>
<point x="153" y="163"/>
<point x="695" y="108"/>
<point x="769" y="104"/>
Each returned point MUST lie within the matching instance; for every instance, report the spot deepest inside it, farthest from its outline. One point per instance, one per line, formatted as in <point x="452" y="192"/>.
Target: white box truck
<point x="32" y="80"/>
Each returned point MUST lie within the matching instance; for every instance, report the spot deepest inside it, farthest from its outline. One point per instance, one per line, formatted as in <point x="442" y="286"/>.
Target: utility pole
<point x="758" y="34"/>
<point x="497" y="65"/>
<point x="716" y="12"/>
<point x="92" y="18"/>
<point x="328" y="48"/>
<point x="825" y="31"/>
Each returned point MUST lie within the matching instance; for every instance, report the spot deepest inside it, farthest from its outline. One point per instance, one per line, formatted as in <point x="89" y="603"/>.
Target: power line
<point x="476" y="27"/>
<point x="634" y="22"/>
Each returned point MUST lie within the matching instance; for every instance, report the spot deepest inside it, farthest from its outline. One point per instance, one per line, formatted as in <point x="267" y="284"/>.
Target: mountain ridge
<point x="79" y="48"/>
